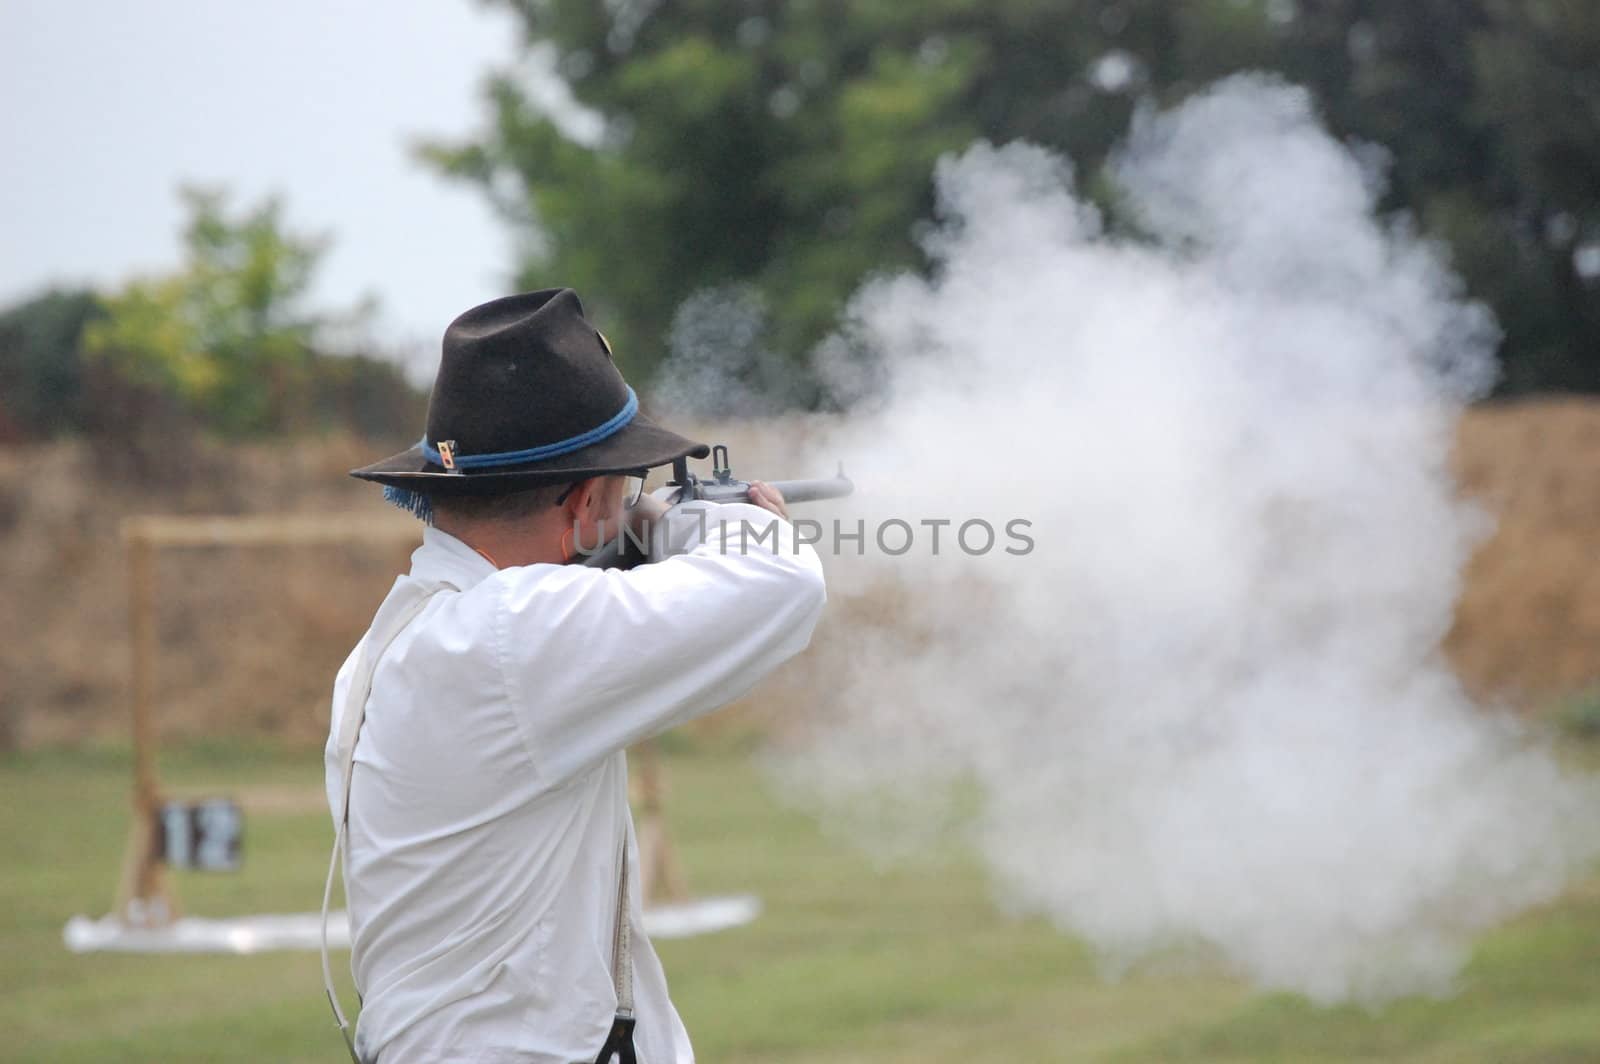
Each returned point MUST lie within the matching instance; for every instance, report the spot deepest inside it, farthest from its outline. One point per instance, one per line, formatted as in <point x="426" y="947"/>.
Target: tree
<point x="1538" y="83"/>
<point x="1491" y="111"/>
<point x="228" y="333"/>
<point x="783" y="149"/>
<point x="41" y="371"/>
<point x="787" y="146"/>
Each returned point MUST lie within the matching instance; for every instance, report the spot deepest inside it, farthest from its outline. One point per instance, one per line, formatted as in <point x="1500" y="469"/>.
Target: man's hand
<point x="768" y="497"/>
<point x="648" y="511"/>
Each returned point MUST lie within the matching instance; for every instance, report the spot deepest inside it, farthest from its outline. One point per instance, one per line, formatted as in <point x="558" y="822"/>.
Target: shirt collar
<point x="444" y="557"/>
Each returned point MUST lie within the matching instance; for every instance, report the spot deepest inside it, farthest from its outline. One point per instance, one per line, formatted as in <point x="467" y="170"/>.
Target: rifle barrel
<point x="834" y="487"/>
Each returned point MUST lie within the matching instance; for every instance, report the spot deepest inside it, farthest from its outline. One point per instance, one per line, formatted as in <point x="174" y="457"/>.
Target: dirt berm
<point x="250" y="638"/>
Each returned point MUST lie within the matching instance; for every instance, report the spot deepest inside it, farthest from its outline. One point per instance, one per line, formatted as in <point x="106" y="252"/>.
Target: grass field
<point x="848" y="963"/>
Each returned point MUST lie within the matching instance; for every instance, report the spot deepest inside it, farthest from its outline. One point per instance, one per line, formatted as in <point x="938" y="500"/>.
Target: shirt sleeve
<point x="599" y="659"/>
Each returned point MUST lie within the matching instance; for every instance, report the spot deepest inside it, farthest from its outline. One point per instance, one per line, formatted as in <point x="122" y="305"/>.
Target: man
<point x="488" y="841"/>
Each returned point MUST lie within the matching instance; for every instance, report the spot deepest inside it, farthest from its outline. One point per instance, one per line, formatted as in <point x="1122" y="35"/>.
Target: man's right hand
<point x="768" y="497"/>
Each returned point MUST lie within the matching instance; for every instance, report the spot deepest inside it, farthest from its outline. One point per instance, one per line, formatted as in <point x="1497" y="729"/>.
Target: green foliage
<point x="227" y="342"/>
<point x="1491" y="109"/>
<point x="1538" y="87"/>
<point x="228" y="334"/>
<point x="41" y="366"/>
<point x="786" y="148"/>
<point x="363" y="394"/>
<point x="789" y="146"/>
<point x="1579" y="714"/>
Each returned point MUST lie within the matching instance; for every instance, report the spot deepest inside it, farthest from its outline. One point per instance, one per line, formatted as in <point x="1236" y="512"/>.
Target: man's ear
<point x="581" y="500"/>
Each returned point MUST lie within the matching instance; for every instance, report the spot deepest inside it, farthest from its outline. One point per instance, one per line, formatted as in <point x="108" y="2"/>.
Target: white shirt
<point x="489" y="800"/>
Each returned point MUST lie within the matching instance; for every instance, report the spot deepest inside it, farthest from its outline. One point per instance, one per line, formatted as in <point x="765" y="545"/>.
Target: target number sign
<point x="207" y="835"/>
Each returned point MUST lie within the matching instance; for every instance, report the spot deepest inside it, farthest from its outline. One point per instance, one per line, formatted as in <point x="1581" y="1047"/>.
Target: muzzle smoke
<point x="1209" y="705"/>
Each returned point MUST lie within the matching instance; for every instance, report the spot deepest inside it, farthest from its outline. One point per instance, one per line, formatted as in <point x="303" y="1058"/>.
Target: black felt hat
<point x="527" y="394"/>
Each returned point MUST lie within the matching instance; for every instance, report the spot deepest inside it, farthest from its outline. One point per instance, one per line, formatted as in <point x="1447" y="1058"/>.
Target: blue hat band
<point x="602" y="431"/>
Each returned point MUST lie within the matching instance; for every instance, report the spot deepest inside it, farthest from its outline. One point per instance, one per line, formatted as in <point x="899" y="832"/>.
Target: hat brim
<point x="642" y="444"/>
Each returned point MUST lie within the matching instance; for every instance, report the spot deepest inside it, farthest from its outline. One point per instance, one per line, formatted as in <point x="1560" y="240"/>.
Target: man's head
<point x="543" y="524"/>
<point x="516" y="507"/>
<point x="527" y="397"/>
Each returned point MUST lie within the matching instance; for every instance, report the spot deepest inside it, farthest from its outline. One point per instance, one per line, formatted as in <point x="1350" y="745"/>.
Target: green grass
<point x="848" y="963"/>
<point x="1579" y="713"/>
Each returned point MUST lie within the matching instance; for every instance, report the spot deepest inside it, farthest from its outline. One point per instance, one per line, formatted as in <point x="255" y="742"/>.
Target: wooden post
<point x="144" y="898"/>
<point x="659" y="868"/>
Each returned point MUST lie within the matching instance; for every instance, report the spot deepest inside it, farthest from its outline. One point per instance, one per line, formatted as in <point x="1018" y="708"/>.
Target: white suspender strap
<point x="397" y="611"/>
<point x="618" y="1047"/>
<point x="622" y="945"/>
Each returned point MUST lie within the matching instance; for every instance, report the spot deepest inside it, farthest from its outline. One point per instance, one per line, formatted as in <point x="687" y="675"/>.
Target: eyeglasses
<point x="632" y="488"/>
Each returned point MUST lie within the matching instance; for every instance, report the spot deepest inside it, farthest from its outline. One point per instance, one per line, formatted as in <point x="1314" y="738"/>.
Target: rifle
<point x="622" y="552"/>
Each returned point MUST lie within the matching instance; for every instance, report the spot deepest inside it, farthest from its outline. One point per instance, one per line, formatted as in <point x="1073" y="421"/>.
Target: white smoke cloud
<point x="1209" y="706"/>
<point x="718" y="363"/>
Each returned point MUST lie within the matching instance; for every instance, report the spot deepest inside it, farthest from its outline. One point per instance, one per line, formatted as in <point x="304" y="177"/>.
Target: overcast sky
<point x="106" y="106"/>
